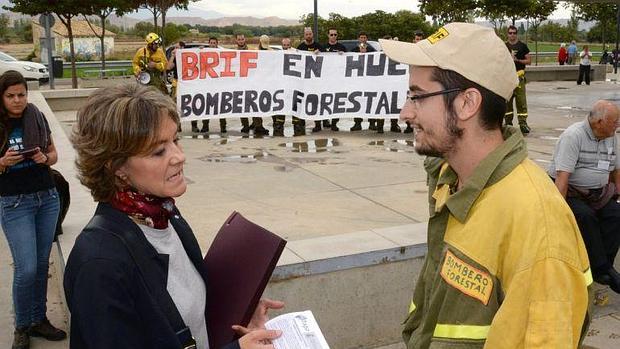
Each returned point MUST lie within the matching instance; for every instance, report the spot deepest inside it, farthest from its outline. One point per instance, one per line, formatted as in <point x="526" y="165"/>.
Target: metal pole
<point x="316" y="21"/>
<point x="48" y="38"/>
<point x="617" y="55"/>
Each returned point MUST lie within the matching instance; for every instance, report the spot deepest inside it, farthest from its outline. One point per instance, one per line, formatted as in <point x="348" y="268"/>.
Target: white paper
<point x="299" y="331"/>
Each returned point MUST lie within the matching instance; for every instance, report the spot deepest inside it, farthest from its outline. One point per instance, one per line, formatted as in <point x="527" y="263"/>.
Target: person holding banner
<point x="257" y="123"/>
<point x="135" y="277"/>
<point x="213" y="44"/>
<point x="334" y="46"/>
<point x="150" y="61"/>
<point x="299" y="128"/>
<point x="312" y="46"/>
<point x="363" y="47"/>
<point x="506" y="265"/>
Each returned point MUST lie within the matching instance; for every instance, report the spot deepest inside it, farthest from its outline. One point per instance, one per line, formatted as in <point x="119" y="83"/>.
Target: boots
<point x="317" y="126"/>
<point x="394" y="126"/>
<point x="46" y="330"/>
<point x="245" y="125"/>
<point x="299" y="130"/>
<point x="222" y="125"/>
<point x="334" y="126"/>
<point x="357" y="126"/>
<point x="408" y="129"/>
<point x="21" y="340"/>
<point x="380" y="123"/>
<point x="195" y="128"/>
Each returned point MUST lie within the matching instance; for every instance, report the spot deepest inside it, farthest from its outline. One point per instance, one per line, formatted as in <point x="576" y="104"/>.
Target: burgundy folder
<point x="239" y="264"/>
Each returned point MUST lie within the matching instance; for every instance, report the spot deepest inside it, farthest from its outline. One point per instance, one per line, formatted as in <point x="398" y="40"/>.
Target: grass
<point x="90" y="72"/>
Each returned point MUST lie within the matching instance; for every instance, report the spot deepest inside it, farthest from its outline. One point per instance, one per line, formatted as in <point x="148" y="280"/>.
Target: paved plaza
<point x="332" y="183"/>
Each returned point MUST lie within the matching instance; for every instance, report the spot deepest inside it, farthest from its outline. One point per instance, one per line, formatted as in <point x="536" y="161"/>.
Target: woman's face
<point x="15" y="99"/>
<point x="160" y="171"/>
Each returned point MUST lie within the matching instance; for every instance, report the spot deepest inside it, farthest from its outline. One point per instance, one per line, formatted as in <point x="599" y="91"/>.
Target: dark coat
<point x="110" y="303"/>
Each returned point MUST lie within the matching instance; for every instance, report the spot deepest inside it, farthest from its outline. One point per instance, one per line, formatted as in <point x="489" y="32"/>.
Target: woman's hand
<point x="259" y="339"/>
<point x="10" y="158"/>
<point x="39" y="157"/>
<point x="260" y="316"/>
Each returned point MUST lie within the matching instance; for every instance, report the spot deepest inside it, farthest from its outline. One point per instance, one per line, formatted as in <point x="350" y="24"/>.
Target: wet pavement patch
<point x="396" y="142"/>
<point x="312" y="146"/>
<point x="550" y="138"/>
<point x="247" y="159"/>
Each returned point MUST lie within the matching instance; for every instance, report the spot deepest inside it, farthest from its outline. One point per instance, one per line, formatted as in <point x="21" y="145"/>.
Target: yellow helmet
<point x="152" y="37"/>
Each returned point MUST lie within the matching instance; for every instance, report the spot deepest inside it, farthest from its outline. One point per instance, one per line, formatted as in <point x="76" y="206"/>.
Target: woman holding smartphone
<point x="28" y="206"/>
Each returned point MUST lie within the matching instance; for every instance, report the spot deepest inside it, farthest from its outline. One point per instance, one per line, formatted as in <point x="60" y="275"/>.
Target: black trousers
<point x="600" y="230"/>
<point x="584" y="70"/>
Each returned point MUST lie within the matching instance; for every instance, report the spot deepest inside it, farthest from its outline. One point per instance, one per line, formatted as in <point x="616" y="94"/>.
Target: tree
<point x="445" y="11"/>
<point x="102" y="9"/>
<point x="159" y="8"/>
<point x="536" y="13"/>
<point x="498" y="11"/>
<point x="4" y="27"/>
<point x="65" y="10"/>
<point x="604" y="13"/>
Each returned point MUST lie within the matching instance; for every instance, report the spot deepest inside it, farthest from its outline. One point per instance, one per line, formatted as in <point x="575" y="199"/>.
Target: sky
<point x="293" y="9"/>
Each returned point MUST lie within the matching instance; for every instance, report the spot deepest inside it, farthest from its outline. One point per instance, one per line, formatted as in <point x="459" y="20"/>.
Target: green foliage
<point x="143" y="28"/>
<point x="175" y="32"/>
<point x="445" y="11"/>
<point x="605" y="16"/>
<point x="378" y="24"/>
<point x="4" y="28"/>
<point x="553" y="32"/>
<point x="604" y="33"/>
<point x="32" y="55"/>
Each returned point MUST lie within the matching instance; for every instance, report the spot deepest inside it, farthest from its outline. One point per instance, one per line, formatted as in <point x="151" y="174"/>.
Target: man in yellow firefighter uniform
<point x="506" y="266"/>
<point x="152" y="60"/>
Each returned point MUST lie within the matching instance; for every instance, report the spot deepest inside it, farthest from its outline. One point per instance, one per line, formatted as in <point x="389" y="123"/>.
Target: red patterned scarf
<point x="144" y="209"/>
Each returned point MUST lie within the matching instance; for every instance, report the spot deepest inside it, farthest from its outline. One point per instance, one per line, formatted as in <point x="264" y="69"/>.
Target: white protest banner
<point x="216" y="84"/>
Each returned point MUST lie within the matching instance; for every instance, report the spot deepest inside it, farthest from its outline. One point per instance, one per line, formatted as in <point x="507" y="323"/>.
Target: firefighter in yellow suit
<point x="152" y="60"/>
<point x="506" y="266"/>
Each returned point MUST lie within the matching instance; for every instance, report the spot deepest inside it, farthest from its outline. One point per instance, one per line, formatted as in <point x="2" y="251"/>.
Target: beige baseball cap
<point x="471" y="50"/>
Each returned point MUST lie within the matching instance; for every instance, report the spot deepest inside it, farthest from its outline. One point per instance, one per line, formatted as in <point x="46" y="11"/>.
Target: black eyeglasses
<point x="333" y="34"/>
<point x="512" y="33"/>
<point x="416" y="98"/>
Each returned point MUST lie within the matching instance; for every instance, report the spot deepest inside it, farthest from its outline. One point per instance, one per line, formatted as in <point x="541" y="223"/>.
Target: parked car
<point x="351" y="44"/>
<point x="30" y="70"/>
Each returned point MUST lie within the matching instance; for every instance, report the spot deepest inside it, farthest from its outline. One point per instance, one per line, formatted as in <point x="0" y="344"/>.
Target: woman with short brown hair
<point x="135" y="276"/>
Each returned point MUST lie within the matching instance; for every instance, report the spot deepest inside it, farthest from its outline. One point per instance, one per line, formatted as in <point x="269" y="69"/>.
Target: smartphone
<point x="27" y="153"/>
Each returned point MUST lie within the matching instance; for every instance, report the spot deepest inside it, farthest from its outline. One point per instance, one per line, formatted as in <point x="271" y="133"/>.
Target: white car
<point x="30" y="70"/>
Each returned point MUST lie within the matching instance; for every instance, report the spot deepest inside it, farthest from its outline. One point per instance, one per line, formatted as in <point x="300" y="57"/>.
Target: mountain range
<point x="193" y="16"/>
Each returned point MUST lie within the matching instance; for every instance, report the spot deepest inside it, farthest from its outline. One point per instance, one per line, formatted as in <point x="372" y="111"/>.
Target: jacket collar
<point x="499" y="163"/>
<point x="129" y="230"/>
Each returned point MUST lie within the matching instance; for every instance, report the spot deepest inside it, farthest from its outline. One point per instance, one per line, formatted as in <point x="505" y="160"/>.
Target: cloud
<point x="294" y="8"/>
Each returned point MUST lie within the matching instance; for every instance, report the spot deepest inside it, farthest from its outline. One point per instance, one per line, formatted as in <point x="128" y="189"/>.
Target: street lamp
<point x="316" y="20"/>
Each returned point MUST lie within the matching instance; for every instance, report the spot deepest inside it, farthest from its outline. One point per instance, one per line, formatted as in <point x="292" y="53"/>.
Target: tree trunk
<point x="163" y="29"/>
<point x="155" y="18"/>
<point x="102" y="38"/>
<point x="604" y="30"/>
<point x="74" y="83"/>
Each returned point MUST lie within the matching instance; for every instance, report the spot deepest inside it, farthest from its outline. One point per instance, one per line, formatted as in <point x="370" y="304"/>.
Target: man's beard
<point x="447" y="146"/>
